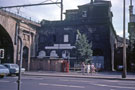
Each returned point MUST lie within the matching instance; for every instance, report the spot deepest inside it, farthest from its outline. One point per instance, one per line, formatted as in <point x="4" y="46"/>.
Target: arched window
<point x="65" y="54"/>
<point x="53" y="53"/>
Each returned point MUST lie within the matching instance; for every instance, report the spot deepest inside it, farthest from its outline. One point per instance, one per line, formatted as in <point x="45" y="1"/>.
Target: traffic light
<point x="1" y="53"/>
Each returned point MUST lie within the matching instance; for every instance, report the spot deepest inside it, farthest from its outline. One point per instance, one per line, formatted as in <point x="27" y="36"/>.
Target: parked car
<point x="3" y="71"/>
<point x="13" y="68"/>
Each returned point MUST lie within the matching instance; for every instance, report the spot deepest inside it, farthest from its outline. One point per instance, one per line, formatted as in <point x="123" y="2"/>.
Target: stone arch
<point x="6" y="44"/>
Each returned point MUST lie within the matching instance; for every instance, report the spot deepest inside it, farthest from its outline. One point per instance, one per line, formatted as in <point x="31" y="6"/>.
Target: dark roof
<point x="99" y="3"/>
<point x="120" y="39"/>
<point x="75" y="22"/>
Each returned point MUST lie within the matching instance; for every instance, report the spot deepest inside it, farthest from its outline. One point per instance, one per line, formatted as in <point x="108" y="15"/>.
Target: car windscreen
<point x="2" y="67"/>
<point x="14" y="66"/>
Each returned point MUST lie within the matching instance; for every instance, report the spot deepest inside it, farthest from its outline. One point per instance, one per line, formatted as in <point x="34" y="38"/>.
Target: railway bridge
<point x="12" y="25"/>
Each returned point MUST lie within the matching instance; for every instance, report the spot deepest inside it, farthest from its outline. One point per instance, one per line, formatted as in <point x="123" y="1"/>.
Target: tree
<point x="83" y="48"/>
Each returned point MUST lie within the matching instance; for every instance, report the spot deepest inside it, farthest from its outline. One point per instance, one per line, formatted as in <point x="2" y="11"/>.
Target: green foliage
<point x="83" y="48"/>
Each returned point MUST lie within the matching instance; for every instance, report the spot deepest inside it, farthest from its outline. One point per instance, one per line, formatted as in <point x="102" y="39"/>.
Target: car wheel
<point x="9" y="74"/>
<point x="17" y="74"/>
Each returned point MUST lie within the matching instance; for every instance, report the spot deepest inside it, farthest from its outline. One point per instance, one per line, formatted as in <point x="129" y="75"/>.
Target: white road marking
<point x="32" y="78"/>
<point x="120" y="81"/>
<point x="103" y="85"/>
<point x="17" y="82"/>
<point x="78" y="81"/>
<point x="4" y="81"/>
<point x="112" y="80"/>
<point x="126" y="84"/>
<point x="61" y="85"/>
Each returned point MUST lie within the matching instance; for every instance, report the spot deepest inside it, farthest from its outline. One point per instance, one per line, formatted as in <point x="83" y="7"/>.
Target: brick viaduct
<point x="27" y="30"/>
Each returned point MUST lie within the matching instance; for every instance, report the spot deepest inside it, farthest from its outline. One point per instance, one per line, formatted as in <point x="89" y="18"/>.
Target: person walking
<point x="88" y="68"/>
<point x="83" y="68"/>
<point x="93" y="68"/>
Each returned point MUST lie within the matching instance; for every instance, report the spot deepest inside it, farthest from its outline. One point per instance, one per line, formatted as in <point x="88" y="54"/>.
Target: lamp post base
<point x="123" y="75"/>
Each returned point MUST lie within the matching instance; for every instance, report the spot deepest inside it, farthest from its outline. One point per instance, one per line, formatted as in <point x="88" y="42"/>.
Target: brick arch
<point x="9" y="25"/>
<point x="8" y="21"/>
<point x="6" y="43"/>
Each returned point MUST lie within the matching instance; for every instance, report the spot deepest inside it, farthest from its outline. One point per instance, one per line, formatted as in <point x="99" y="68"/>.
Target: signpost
<point x="1" y="54"/>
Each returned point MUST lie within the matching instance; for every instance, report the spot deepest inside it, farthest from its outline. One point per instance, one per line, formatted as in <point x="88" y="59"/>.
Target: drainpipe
<point x="16" y="40"/>
<point x="61" y="10"/>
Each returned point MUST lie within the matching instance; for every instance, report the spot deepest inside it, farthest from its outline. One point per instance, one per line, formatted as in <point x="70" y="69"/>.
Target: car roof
<point x="1" y="65"/>
<point x="9" y="64"/>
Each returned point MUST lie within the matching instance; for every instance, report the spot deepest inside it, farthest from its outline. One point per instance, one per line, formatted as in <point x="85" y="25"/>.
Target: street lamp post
<point x="124" y="44"/>
<point x="20" y="63"/>
<point x="19" y="43"/>
<point x="61" y="10"/>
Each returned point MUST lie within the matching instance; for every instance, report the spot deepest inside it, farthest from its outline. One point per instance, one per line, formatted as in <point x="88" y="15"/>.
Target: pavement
<point x="98" y="75"/>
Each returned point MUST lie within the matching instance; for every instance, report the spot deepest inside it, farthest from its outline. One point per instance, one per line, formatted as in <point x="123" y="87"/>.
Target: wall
<point x="46" y="65"/>
<point x="26" y="28"/>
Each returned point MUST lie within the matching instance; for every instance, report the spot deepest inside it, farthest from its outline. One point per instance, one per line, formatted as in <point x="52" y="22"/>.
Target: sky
<point x="52" y="12"/>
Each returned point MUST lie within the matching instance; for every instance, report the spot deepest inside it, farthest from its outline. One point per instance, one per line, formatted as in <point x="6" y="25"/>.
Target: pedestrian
<point x="88" y="68"/>
<point x="83" y="68"/>
<point x="93" y="68"/>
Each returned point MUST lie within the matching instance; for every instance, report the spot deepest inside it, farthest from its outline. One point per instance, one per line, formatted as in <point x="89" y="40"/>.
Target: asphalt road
<point x="65" y="83"/>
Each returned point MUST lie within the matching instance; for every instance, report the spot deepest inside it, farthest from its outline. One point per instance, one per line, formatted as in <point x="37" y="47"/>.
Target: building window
<point x="84" y="13"/>
<point x="66" y="38"/>
<point x="53" y="53"/>
<point x="24" y="37"/>
<point x="66" y="54"/>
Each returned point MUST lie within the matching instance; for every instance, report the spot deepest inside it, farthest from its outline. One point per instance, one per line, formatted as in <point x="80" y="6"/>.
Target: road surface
<point x="65" y="83"/>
